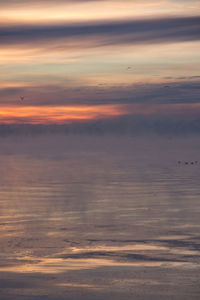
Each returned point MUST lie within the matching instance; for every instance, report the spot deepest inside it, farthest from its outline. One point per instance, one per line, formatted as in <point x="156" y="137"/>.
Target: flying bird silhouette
<point x="22" y="98"/>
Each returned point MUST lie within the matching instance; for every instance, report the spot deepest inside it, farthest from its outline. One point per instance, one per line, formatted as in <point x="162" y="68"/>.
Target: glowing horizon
<point x="69" y="114"/>
<point x="57" y="114"/>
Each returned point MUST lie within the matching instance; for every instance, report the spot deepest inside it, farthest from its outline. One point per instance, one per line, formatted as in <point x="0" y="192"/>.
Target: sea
<point x="87" y="217"/>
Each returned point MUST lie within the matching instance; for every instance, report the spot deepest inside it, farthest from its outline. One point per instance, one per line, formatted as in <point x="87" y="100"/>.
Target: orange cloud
<point x="70" y="114"/>
<point x="57" y="114"/>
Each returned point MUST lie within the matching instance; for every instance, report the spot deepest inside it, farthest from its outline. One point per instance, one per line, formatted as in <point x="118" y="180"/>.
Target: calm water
<point x="87" y="218"/>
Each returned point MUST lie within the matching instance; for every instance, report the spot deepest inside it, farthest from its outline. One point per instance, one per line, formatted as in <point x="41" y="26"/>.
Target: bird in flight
<point x="22" y="98"/>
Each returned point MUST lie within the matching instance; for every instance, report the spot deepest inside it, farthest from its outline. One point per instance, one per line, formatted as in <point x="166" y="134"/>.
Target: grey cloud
<point x="107" y="33"/>
<point x="177" y="92"/>
<point x="189" y="77"/>
<point x="194" y="77"/>
<point x="129" y="124"/>
<point x="10" y="91"/>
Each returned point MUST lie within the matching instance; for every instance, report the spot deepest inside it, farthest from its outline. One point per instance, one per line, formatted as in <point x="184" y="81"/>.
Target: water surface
<point x="89" y="218"/>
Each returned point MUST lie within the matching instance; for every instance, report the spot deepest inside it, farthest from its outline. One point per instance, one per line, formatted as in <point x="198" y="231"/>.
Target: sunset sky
<point x="86" y="60"/>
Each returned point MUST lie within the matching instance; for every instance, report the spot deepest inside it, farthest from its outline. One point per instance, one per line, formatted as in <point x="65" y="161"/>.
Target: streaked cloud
<point x="46" y="12"/>
<point x="107" y="33"/>
<point x="57" y="114"/>
<point x="77" y="114"/>
<point x="22" y="2"/>
<point x="179" y="91"/>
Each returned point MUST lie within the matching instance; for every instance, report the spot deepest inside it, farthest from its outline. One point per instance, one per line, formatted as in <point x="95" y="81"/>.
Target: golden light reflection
<point x="120" y="248"/>
<point x="59" y="265"/>
<point x="79" y="285"/>
<point x="137" y="247"/>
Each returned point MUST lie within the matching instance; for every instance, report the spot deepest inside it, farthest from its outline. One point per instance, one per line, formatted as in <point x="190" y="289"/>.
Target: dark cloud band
<point x="185" y="92"/>
<point x="107" y="33"/>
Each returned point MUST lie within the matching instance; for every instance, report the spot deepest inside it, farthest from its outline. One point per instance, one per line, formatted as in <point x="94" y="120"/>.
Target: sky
<point x="99" y="60"/>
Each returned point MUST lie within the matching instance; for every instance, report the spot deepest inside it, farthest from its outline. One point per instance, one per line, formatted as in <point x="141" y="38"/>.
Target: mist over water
<point x="87" y="218"/>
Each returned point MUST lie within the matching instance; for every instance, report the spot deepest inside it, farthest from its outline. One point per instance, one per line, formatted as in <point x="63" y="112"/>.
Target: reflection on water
<point x="99" y="217"/>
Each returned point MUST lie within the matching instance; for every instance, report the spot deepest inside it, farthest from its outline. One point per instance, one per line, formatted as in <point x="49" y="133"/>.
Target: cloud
<point x="11" y="91"/>
<point x="108" y="33"/>
<point x="35" y="2"/>
<point x="136" y="125"/>
<point x="58" y="114"/>
<point x="176" y="92"/>
<point x="48" y="2"/>
<point x="32" y="2"/>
